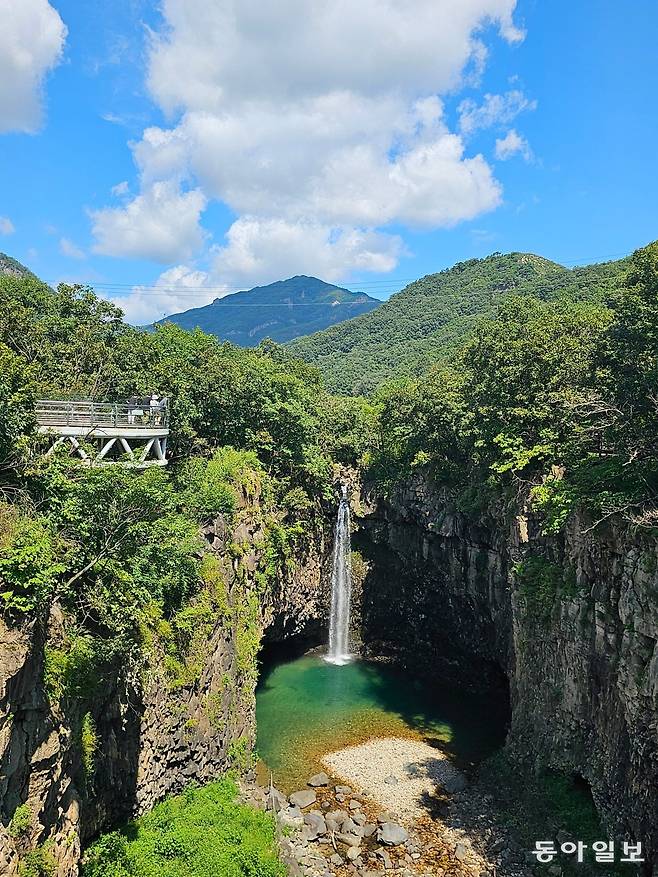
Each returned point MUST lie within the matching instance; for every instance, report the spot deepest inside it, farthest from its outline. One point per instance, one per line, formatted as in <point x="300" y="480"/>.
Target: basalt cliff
<point x="156" y="727"/>
<point x="570" y="623"/>
<point x="566" y="627"/>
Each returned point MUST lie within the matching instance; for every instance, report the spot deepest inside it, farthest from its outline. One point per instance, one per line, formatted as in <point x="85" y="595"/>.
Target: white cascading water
<point x="341" y="587"/>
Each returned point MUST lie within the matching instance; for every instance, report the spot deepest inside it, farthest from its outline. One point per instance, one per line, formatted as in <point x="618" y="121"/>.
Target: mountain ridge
<point x="297" y="306"/>
<point x="429" y="318"/>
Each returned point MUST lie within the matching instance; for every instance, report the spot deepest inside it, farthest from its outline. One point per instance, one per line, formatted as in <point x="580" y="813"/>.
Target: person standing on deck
<point x="154" y="406"/>
<point x="134" y="409"/>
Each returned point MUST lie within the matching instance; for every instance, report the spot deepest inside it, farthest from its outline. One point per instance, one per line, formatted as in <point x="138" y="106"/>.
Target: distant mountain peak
<point x="282" y="310"/>
<point x="11" y="266"/>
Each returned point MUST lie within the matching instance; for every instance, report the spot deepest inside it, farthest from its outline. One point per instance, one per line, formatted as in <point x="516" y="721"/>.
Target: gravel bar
<point x="400" y="775"/>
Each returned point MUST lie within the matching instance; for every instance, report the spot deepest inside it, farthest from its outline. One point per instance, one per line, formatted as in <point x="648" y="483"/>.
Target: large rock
<point x="335" y="819"/>
<point x="392" y="834"/>
<point x="320" y="779"/>
<point x="461" y="852"/>
<point x="303" y="798"/>
<point x="275" y="799"/>
<point x="351" y="840"/>
<point x="291" y="817"/>
<point x="316" y="823"/>
<point x="351" y="827"/>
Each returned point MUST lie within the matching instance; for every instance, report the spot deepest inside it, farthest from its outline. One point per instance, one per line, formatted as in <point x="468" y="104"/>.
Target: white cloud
<point x="513" y="144"/>
<point x="340" y="159"/>
<point x="263" y="250"/>
<point x="177" y="289"/>
<point x="495" y="109"/>
<point x="214" y="55"/>
<point x="6" y="225"/>
<point x="319" y="124"/>
<point x="120" y="189"/>
<point x="70" y="250"/>
<point x="32" y="36"/>
<point x="161" y="224"/>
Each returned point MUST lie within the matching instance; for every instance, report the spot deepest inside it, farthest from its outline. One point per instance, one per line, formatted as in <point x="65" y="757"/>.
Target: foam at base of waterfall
<point x="338" y="660"/>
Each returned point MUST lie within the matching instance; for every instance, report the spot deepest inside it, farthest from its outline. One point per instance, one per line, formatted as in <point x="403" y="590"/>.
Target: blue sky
<point x="366" y="154"/>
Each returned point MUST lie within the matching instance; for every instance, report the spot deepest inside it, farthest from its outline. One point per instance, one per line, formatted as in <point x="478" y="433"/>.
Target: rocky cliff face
<point x="571" y="622"/>
<point x="154" y="730"/>
<point x="568" y="626"/>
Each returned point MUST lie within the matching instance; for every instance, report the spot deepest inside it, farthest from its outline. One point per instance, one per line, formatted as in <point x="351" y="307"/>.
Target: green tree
<point x="525" y="373"/>
<point x="16" y="410"/>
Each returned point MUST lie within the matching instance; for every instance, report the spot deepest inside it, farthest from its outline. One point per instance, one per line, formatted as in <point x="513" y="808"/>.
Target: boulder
<point x="350" y="840"/>
<point x="292" y="817"/>
<point x="316" y="823"/>
<point x="280" y="800"/>
<point x="351" y="827"/>
<point x="320" y="779"/>
<point x="343" y="790"/>
<point x="454" y="784"/>
<point x="335" y="819"/>
<point x="392" y="834"/>
<point x="386" y="859"/>
<point x="391" y="780"/>
<point x="303" y="798"/>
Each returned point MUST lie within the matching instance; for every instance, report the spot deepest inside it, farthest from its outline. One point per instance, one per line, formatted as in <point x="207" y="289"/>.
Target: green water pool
<point x="306" y="708"/>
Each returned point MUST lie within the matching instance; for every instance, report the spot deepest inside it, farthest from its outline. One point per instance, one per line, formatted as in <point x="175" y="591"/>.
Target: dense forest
<point x="554" y="390"/>
<point x="231" y="408"/>
<point x="120" y="553"/>
<point x="550" y="393"/>
<point x="429" y="319"/>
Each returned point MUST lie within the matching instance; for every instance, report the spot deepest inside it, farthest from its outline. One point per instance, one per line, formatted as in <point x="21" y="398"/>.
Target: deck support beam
<point x="136" y="446"/>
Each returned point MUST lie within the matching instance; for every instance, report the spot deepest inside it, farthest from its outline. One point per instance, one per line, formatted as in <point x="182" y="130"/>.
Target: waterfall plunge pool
<point x="306" y="707"/>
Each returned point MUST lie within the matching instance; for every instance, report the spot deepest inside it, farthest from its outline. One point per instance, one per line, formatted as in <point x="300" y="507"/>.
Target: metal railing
<point x="52" y="412"/>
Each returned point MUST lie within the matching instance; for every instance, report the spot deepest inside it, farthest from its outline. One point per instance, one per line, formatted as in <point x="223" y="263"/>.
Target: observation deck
<point x="133" y="433"/>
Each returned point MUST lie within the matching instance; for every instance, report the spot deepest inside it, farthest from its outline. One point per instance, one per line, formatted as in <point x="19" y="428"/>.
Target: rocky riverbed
<point x="402" y="812"/>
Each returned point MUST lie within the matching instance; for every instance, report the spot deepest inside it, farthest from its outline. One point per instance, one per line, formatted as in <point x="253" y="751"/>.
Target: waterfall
<point x="341" y="587"/>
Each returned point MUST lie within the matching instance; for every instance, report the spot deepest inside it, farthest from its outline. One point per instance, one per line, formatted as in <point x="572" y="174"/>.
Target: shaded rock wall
<point x="580" y="651"/>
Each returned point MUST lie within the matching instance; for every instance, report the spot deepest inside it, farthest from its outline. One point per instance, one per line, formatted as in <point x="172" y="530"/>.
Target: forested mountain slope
<point x="280" y="311"/>
<point x="419" y="325"/>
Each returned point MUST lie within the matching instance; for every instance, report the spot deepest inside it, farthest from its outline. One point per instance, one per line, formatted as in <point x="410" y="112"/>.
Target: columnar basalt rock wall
<point x="445" y="591"/>
<point x="153" y="737"/>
